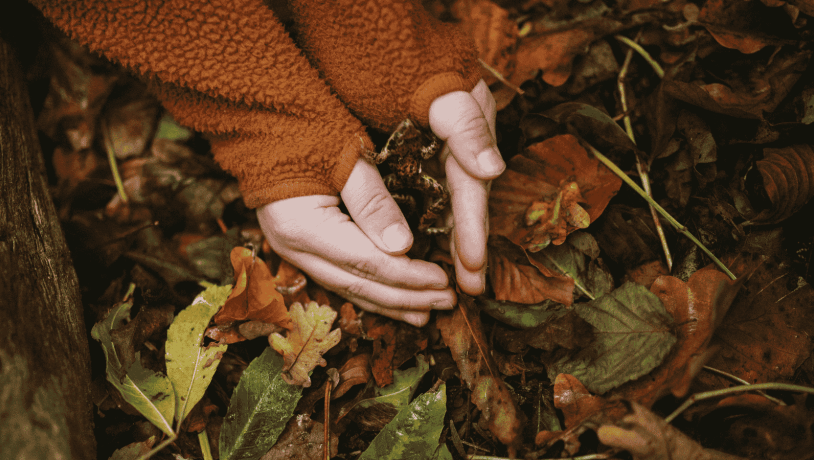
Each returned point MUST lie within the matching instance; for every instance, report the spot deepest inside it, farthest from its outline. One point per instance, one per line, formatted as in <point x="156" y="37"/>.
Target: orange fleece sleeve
<point x="229" y="69"/>
<point x="385" y="59"/>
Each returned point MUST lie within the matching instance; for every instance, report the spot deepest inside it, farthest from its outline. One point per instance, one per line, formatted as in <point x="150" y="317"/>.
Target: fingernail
<point x="416" y="319"/>
<point x="490" y="162"/>
<point x="396" y="237"/>
<point x="442" y="305"/>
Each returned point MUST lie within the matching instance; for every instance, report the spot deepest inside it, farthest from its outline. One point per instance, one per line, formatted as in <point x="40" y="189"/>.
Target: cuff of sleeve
<point x="434" y="87"/>
<point x="305" y="186"/>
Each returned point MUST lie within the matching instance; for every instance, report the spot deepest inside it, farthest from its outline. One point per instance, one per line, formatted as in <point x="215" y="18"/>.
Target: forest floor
<point x="587" y="324"/>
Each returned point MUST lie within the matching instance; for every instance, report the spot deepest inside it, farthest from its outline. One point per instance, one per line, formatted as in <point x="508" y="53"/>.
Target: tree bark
<point x="45" y="403"/>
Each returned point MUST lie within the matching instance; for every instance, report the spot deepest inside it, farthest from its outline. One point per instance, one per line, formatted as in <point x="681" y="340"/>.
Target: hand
<point x="362" y="260"/>
<point x="466" y="121"/>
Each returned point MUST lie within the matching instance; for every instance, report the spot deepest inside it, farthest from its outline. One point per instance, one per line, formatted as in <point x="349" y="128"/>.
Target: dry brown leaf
<point x="302" y="438"/>
<point x="494" y="34"/>
<point x="463" y="333"/>
<point x="355" y="371"/>
<point x="304" y="345"/>
<point x="788" y="176"/>
<point x="254" y="296"/>
<point x="575" y="401"/>
<point x="552" y="53"/>
<point x="394" y="343"/>
<point x="515" y="279"/>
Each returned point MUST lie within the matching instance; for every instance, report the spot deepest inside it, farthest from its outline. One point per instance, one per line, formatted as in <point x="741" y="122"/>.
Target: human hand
<point x="362" y="260"/>
<point x="466" y="121"/>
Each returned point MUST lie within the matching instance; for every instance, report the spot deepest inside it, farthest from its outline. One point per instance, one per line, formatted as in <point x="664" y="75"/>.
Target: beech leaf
<point x="148" y="392"/>
<point x="577" y="259"/>
<point x="788" y="175"/>
<point x="260" y="407"/>
<point x="190" y="366"/>
<point x="632" y="337"/>
<point x="305" y="344"/>
<point x="414" y="432"/>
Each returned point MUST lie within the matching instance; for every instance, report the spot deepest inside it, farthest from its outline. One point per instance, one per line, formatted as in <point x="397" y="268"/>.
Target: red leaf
<point x="514" y="279"/>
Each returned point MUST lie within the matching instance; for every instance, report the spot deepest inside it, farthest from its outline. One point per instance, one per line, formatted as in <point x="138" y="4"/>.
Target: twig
<point x="737" y="379"/>
<point x="326" y="445"/>
<point x="620" y="82"/>
<point x="581" y="457"/>
<point x="732" y="390"/>
<point x="111" y="158"/>
<point x="500" y="77"/>
<point x="655" y="65"/>
<point x="681" y="229"/>
<point x="157" y="448"/>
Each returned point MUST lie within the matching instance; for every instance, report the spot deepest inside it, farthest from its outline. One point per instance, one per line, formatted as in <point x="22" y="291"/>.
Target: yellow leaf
<point x="305" y="344"/>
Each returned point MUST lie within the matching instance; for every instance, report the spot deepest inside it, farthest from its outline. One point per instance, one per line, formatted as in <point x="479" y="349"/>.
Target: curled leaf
<point x="788" y="175"/>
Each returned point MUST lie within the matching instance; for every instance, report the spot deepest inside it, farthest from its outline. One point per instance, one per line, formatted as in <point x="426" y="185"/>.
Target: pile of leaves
<point x="208" y="345"/>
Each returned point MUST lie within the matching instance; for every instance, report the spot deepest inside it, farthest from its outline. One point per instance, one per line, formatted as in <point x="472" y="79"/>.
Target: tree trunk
<point x="45" y="404"/>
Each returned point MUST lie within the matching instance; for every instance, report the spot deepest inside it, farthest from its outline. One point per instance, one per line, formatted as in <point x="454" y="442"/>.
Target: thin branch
<point x="500" y="77"/>
<point x="655" y="65"/>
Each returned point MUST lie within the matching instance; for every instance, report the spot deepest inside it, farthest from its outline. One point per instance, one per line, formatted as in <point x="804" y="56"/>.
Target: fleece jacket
<point x="286" y="116"/>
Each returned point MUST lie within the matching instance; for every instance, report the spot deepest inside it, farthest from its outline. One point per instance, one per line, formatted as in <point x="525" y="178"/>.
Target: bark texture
<point x="45" y="404"/>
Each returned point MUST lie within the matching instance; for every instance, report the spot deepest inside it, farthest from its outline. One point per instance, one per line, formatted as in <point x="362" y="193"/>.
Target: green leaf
<point x="168" y="128"/>
<point x="633" y="335"/>
<point x="577" y="258"/>
<point x="190" y="367"/>
<point x="261" y="405"/>
<point x="521" y="315"/>
<point x="148" y="392"/>
<point x="414" y="432"/>
<point x="399" y="393"/>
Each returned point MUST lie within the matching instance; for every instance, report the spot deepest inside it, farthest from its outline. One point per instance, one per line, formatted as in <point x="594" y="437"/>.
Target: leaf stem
<point x="681" y="229"/>
<point x="500" y="77"/>
<point x="737" y="379"/>
<point x="738" y="389"/>
<point x="203" y="440"/>
<point x="111" y="158"/>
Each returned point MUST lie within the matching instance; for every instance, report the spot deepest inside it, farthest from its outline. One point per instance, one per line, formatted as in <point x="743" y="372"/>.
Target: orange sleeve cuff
<point x="435" y="87"/>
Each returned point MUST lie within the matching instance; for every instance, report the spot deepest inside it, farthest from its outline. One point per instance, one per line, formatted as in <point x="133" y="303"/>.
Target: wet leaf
<point x="632" y="338"/>
<point x="515" y="279"/>
<point x="149" y="392"/>
<point x="550" y="190"/>
<point x="190" y="366"/>
<point x="305" y="343"/>
<point x="414" y="432"/>
<point x="260" y="407"/>
<point x="788" y="175"/>
<point x="254" y="296"/>
<point x="462" y="332"/>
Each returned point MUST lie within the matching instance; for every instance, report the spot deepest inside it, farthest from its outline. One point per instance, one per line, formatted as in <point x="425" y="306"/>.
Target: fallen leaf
<point x="463" y="334"/>
<point x="575" y="401"/>
<point x="788" y="176"/>
<point x="564" y="329"/>
<point x="133" y="451"/>
<point x="414" y="432"/>
<point x="765" y="336"/>
<point x="149" y="392"/>
<point x="305" y="343"/>
<point x="520" y="315"/>
<point x="302" y="438"/>
<point x="739" y="25"/>
<point x="633" y="335"/>
<point x="494" y="34"/>
<point x="190" y="365"/>
<point x="261" y="405"/>
<point x="578" y="259"/>
<point x="254" y="296"/>
<point x="394" y="343"/>
<point x="557" y="170"/>
<point x="355" y="371"/>
<point x="515" y="279"/>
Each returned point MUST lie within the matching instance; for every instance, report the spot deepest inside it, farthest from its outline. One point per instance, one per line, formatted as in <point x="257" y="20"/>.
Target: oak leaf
<point x="309" y="338"/>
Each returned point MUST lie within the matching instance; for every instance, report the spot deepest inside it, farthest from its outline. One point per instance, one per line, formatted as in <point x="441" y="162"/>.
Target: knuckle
<point x="376" y="204"/>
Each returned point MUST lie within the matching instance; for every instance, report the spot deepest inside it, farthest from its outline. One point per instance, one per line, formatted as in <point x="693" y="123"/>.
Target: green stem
<point x="655" y="65"/>
<point x="203" y="440"/>
<point x="157" y="448"/>
<point x="681" y="229"/>
<point x="739" y="389"/>
<point x="111" y="158"/>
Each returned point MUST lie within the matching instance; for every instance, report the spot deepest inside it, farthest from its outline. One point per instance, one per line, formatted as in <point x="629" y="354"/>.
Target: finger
<point x="469" y="207"/>
<point x="328" y="233"/>
<point x="486" y="101"/>
<point x="472" y="282"/>
<point x="374" y="210"/>
<point x="457" y="118"/>
<point x="367" y="293"/>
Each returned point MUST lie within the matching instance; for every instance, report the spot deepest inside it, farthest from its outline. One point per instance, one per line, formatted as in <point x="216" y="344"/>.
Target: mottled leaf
<point x="633" y="335"/>
<point x="190" y="366"/>
<point x="259" y="409"/>
<point x="309" y="339"/>
<point x="414" y="432"/>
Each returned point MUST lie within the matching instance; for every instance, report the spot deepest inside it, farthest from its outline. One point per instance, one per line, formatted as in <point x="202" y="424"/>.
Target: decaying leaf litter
<point x="589" y="334"/>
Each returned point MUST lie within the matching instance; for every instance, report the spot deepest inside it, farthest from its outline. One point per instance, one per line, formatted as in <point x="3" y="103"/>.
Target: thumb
<point x="373" y="209"/>
<point x="457" y="118"/>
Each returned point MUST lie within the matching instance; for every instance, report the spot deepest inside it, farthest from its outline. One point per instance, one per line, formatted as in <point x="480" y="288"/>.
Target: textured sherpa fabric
<point x="229" y="68"/>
